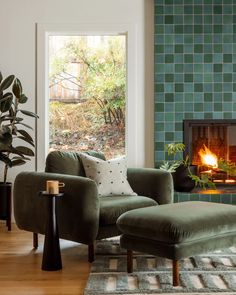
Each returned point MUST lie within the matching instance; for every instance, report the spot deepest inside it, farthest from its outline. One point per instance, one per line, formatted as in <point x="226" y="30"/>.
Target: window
<point x="87" y="93"/>
<point x="134" y="114"/>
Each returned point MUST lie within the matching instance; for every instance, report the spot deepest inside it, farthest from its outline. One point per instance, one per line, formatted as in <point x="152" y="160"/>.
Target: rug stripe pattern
<point x="203" y="274"/>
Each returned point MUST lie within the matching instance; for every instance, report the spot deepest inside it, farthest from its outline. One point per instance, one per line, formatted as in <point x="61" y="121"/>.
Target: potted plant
<point x="184" y="173"/>
<point x="13" y="136"/>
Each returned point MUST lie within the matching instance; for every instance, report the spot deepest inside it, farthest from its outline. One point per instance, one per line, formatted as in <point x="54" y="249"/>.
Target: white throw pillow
<point x="110" y="176"/>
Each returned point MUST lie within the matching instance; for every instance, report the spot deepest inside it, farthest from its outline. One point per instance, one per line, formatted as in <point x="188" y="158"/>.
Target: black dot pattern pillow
<point x="110" y="176"/>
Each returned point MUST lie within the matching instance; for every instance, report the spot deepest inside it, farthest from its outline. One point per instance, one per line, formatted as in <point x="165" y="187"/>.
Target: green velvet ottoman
<point x="177" y="231"/>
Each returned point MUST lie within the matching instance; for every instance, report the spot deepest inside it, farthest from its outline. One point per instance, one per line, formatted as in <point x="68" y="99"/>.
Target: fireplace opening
<point x="211" y="145"/>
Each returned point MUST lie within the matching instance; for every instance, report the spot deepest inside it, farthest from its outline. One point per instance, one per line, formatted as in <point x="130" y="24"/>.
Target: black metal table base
<point x="51" y="251"/>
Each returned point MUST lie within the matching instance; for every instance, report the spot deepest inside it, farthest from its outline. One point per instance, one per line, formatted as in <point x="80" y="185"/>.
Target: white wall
<point x="18" y="50"/>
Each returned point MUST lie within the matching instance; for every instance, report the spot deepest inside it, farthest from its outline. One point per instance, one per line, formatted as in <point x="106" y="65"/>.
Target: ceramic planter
<point x="182" y="181"/>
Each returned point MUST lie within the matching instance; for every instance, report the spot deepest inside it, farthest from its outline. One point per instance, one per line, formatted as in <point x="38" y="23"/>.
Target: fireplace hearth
<point x="211" y="144"/>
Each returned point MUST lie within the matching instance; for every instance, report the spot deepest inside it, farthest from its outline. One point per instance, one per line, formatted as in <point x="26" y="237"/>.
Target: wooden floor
<point x="20" y="266"/>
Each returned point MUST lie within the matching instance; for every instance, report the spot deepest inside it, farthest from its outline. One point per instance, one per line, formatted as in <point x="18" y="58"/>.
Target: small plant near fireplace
<point x="184" y="173"/>
<point x="228" y="167"/>
<point x="203" y="181"/>
<point x="172" y="150"/>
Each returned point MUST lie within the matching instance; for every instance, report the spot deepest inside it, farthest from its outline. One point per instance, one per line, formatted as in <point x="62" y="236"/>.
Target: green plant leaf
<point x="18" y="119"/>
<point x="6" y="118"/>
<point x="1" y="77"/>
<point x="6" y="104"/>
<point x="20" y="157"/>
<point x="18" y="162"/>
<point x="17" y="88"/>
<point x="28" y="113"/>
<point x="14" y="131"/>
<point x="4" y="148"/>
<point x="6" y="96"/>
<point x="12" y="150"/>
<point x="11" y="112"/>
<point x="26" y="140"/>
<point x="170" y="166"/>
<point x="5" y="159"/>
<point x="7" y="82"/>
<point x="202" y="181"/>
<point x="24" y="150"/>
<point x="25" y="134"/>
<point x="23" y="98"/>
<point x="173" y="148"/>
<point x="5" y="138"/>
<point x="227" y="166"/>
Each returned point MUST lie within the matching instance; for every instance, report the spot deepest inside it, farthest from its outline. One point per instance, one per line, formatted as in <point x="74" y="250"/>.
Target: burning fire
<point x="207" y="157"/>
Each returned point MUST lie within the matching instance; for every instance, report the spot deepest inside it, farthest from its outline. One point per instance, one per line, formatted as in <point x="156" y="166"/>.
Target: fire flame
<point x="207" y="157"/>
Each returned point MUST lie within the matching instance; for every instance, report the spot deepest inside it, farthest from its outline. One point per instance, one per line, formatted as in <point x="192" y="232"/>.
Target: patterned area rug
<point x="203" y="274"/>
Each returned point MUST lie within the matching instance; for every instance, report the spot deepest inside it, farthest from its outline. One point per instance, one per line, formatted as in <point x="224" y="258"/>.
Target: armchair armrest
<point x="77" y="210"/>
<point x="154" y="183"/>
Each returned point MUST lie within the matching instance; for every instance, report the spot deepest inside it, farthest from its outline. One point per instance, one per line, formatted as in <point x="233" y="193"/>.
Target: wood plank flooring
<point x="20" y="266"/>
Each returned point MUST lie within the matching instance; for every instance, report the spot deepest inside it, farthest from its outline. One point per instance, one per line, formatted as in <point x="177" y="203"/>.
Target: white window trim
<point x="134" y="115"/>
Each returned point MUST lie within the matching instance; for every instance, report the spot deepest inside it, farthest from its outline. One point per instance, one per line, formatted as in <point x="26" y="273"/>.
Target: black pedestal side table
<point x="51" y="249"/>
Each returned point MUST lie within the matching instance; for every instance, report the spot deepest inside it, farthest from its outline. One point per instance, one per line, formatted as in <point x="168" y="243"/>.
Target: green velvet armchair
<point x="84" y="217"/>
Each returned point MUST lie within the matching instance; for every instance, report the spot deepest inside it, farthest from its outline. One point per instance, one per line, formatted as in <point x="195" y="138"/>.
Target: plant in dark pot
<point x="184" y="173"/>
<point x="183" y="181"/>
<point x="13" y="137"/>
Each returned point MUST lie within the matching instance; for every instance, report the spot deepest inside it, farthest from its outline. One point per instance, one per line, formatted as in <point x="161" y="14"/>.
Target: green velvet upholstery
<point x="112" y="207"/>
<point x="179" y="230"/>
<point x="82" y="215"/>
<point x="153" y="183"/>
<point x="65" y="162"/>
<point x="177" y="251"/>
<point x="78" y="209"/>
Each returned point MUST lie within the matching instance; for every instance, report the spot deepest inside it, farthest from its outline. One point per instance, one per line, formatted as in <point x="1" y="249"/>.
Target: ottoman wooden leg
<point x="175" y="270"/>
<point x="129" y="261"/>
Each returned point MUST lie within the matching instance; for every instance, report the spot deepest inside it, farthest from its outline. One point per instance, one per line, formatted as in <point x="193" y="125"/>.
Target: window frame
<point x="132" y="136"/>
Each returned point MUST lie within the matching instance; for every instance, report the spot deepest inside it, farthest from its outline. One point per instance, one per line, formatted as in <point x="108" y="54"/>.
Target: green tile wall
<point x="227" y="198"/>
<point x="195" y="65"/>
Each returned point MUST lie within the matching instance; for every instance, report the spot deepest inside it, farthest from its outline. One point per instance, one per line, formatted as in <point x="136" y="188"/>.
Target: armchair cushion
<point x="154" y="183"/>
<point x="110" y="176"/>
<point x="112" y="207"/>
<point x="65" y="162"/>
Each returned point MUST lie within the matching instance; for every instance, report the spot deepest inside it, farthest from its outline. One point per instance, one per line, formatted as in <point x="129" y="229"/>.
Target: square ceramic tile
<point x="195" y="65"/>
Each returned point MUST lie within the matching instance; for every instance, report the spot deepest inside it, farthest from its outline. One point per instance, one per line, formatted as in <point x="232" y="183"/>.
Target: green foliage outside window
<point x="87" y="80"/>
<point x="102" y="75"/>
